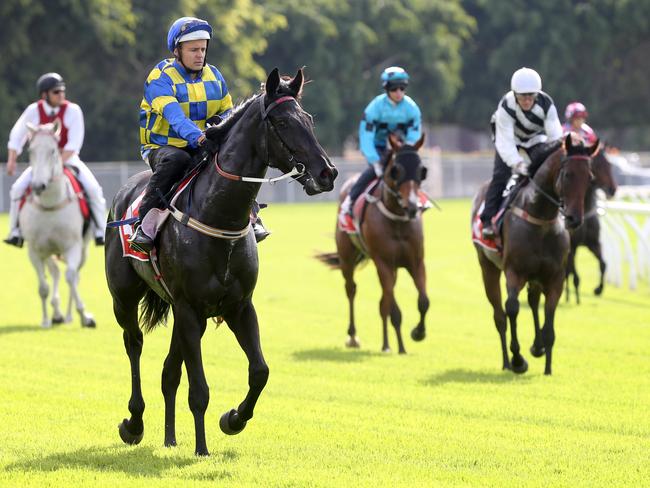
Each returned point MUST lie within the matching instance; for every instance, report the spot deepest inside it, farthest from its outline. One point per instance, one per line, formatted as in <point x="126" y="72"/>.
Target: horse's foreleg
<point x="131" y="430"/>
<point x="55" y="300"/>
<point x="595" y="249"/>
<point x="534" y="293"/>
<point x="420" y="279"/>
<point x="514" y="284"/>
<point x="387" y="277"/>
<point x="245" y="326"/>
<point x="552" y="296"/>
<point x="171" y="378"/>
<point x="73" y="260"/>
<point x="492" y="285"/>
<point x="190" y="330"/>
<point x="43" y="287"/>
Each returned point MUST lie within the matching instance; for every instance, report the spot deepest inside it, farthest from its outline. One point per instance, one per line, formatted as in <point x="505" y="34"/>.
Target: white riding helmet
<point x="526" y="80"/>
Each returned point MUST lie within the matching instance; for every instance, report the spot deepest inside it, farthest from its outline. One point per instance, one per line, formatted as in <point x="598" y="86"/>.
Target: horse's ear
<point x="395" y="141"/>
<point x="420" y="142"/>
<point x="568" y="143"/>
<point x="593" y="150"/>
<point x="272" y="82"/>
<point x="295" y="85"/>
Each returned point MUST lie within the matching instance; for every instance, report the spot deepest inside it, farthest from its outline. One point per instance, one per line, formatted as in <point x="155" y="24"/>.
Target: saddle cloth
<point x="360" y="204"/>
<point x="477" y="231"/>
<point x="152" y="222"/>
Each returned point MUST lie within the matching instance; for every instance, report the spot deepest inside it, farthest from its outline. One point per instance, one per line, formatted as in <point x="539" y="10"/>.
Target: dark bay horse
<point x="588" y="234"/>
<point x="536" y="246"/>
<point x="392" y="235"/>
<point x="207" y="276"/>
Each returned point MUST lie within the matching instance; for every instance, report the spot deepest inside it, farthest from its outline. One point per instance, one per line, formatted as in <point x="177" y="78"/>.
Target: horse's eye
<point x="282" y="124"/>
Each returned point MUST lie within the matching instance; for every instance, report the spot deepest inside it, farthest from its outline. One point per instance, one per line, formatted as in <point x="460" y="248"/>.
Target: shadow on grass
<point x="334" y="354"/>
<point x="16" y="329"/>
<point x="136" y="461"/>
<point x="469" y="376"/>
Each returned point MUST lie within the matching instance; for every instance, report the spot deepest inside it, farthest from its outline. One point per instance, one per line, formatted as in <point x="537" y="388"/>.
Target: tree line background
<point x="460" y="55"/>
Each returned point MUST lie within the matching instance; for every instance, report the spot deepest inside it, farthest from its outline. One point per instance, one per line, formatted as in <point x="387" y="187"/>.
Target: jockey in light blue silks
<point x="390" y="112"/>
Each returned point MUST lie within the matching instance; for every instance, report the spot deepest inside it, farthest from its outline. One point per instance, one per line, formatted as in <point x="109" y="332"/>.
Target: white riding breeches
<point x="87" y="180"/>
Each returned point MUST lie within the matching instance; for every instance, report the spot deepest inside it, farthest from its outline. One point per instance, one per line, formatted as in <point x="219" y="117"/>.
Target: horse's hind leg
<point x="127" y="289"/>
<point x="347" y="255"/>
<point x="492" y="285"/>
<point x="245" y="326"/>
<point x="534" y="293"/>
<point x="126" y="313"/>
<point x="171" y="378"/>
<point x="420" y="280"/>
<point x="571" y="270"/>
<point x="190" y="330"/>
<point x="73" y="260"/>
<point x="387" y="305"/>
<point x="55" y="300"/>
<point x="43" y="287"/>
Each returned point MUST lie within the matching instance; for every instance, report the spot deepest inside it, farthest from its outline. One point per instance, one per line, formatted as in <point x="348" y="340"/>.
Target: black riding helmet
<point x="48" y="82"/>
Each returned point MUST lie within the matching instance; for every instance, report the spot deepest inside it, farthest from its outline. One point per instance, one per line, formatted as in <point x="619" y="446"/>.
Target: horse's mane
<point x="220" y="131"/>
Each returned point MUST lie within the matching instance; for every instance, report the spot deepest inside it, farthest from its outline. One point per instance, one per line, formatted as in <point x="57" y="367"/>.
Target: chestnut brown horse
<point x="588" y="234"/>
<point x="391" y="235"/>
<point x="536" y="246"/>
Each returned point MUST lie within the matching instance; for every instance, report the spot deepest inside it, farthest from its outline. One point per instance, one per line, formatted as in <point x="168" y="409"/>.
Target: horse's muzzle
<point x="322" y="182"/>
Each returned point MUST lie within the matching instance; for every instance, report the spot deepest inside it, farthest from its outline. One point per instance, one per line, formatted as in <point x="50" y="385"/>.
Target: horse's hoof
<point x="89" y="323"/>
<point x="519" y="367"/>
<point x="418" y="334"/>
<point x="68" y="319"/>
<point x="128" y="437"/>
<point x="598" y="291"/>
<point x="353" y="342"/>
<point x="230" y="418"/>
<point x="46" y="324"/>
<point x="170" y="443"/>
<point x="202" y="453"/>
<point x="58" y="319"/>
<point x="537" y="352"/>
<point x="386" y="350"/>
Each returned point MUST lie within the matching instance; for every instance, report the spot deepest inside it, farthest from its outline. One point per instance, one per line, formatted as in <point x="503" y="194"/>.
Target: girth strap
<point x="522" y="214"/>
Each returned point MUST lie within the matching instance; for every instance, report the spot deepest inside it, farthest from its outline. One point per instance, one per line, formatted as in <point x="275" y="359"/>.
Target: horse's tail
<point x="331" y="259"/>
<point x="153" y="310"/>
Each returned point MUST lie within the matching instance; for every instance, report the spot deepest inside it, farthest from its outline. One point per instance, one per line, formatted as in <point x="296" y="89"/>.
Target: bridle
<point x="298" y="169"/>
<point x="386" y="188"/>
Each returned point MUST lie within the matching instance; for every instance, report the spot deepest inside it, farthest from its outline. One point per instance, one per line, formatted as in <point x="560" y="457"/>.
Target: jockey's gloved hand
<point x="379" y="171"/>
<point x="208" y="147"/>
<point x="214" y="120"/>
<point x="213" y="133"/>
<point x="521" y="168"/>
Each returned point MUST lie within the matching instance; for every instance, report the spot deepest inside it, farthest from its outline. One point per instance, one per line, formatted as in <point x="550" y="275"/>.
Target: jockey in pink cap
<point x="575" y="116"/>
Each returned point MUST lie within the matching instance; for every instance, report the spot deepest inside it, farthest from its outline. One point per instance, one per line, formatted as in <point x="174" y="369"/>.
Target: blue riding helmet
<point x="187" y="29"/>
<point x="394" y="76"/>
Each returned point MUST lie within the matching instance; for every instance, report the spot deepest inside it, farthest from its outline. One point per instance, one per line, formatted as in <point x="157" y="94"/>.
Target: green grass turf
<point x="445" y="414"/>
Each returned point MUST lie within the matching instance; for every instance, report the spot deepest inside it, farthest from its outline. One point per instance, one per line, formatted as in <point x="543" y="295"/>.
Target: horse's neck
<point x="227" y="203"/>
<point x="537" y="203"/>
<point x="590" y="197"/>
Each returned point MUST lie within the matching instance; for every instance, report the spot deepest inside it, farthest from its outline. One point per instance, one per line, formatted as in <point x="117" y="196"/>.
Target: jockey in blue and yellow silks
<point x="181" y="95"/>
<point x="391" y="112"/>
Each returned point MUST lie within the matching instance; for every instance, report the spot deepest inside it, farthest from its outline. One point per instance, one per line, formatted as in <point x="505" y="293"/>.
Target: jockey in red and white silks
<point x="575" y="116"/>
<point x="50" y="107"/>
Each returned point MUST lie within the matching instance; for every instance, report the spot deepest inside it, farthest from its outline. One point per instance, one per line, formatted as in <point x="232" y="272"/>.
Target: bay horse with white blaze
<point x="391" y="235"/>
<point x="535" y="247"/>
<point x="207" y="276"/>
<point x="53" y="225"/>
